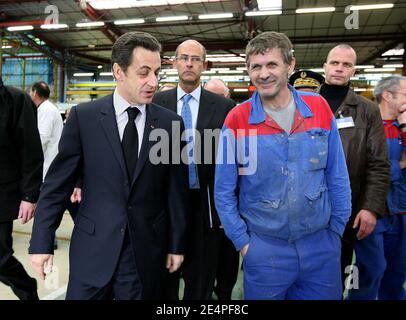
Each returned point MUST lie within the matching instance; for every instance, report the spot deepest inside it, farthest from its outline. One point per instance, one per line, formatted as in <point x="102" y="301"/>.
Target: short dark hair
<point x="41" y="88"/>
<point x="125" y="45"/>
<point x="270" y="40"/>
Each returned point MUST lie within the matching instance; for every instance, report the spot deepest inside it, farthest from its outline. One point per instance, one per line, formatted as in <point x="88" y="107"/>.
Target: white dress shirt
<point x="120" y="107"/>
<point x="50" y="126"/>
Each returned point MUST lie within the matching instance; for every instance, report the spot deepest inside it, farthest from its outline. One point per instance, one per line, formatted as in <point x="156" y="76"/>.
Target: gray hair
<point x="387" y="84"/>
<point x="270" y="40"/>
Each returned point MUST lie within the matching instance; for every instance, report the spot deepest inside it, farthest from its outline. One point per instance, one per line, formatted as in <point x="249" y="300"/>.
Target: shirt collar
<point x="257" y="114"/>
<point x="195" y="93"/>
<point x="121" y="104"/>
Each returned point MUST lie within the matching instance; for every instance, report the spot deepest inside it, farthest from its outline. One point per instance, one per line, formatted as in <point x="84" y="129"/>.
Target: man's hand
<point x="76" y="195"/>
<point x="174" y="261"/>
<point x="42" y="262"/>
<point x="366" y="221"/>
<point x="26" y="211"/>
<point x="244" y="250"/>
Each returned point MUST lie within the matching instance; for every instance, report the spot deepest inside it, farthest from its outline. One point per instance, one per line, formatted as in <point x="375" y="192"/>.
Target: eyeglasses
<point x="185" y="58"/>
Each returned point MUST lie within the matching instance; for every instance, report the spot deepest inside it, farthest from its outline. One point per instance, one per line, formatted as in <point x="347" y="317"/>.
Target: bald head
<point x="340" y="65"/>
<point x="217" y="86"/>
<point x="193" y="43"/>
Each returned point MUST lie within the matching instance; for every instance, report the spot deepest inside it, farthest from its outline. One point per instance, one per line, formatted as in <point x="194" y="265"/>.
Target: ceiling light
<point x="53" y="26"/>
<point x="6" y="47"/>
<point x="99" y="66"/>
<point x="84" y="74"/>
<point x="315" y="10"/>
<point x="400" y="65"/>
<point x="171" y="18"/>
<point x="117" y="4"/>
<point x="129" y="21"/>
<point x="263" y="13"/>
<point x="372" y="6"/>
<point x="106" y="74"/>
<point x="317" y="70"/>
<point x="380" y="70"/>
<point x="240" y="90"/>
<point x="394" y="52"/>
<point x="369" y="66"/>
<point x="90" y="24"/>
<point x="20" y="28"/>
<point x="215" y="16"/>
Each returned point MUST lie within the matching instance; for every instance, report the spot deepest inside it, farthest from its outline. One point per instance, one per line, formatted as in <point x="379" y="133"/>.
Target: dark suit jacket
<point x="21" y="157"/>
<point x="213" y="110"/>
<point x="153" y="206"/>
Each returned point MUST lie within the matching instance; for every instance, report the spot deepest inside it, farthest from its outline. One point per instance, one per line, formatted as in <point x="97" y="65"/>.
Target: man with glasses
<point x="200" y="110"/>
<point x="363" y="138"/>
<point x="381" y="257"/>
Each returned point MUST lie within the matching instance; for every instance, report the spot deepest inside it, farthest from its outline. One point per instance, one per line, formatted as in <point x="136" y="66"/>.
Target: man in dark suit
<point x="21" y="162"/>
<point x="131" y="220"/>
<point x="202" y="111"/>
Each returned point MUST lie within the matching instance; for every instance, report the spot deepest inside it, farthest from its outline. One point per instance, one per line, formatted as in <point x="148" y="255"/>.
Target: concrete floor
<point x="54" y="286"/>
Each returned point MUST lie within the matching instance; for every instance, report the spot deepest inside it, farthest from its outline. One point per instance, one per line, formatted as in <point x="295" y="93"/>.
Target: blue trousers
<point x="307" y="269"/>
<point x="381" y="261"/>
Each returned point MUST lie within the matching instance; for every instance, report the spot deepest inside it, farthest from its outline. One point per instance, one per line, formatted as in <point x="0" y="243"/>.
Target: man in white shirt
<point x="50" y="123"/>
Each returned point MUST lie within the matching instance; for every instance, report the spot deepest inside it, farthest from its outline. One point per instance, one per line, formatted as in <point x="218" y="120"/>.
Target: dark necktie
<point x="130" y="141"/>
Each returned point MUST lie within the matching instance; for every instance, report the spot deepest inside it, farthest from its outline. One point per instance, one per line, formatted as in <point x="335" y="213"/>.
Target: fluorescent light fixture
<point x="215" y="16"/>
<point x="394" y="52"/>
<point x="380" y="70"/>
<point x="84" y="74"/>
<point x="240" y="90"/>
<point x="20" y="28"/>
<point x="369" y="66"/>
<point x="315" y="10"/>
<point x="372" y="6"/>
<point x="106" y="74"/>
<point x="263" y="13"/>
<point x="171" y="18"/>
<point x="129" y="21"/>
<point x="90" y="24"/>
<point x="99" y="66"/>
<point x="241" y="68"/>
<point x="360" y="89"/>
<point x="232" y="72"/>
<point x="209" y="72"/>
<point x="400" y="65"/>
<point x="117" y="4"/>
<point x="54" y="26"/>
<point x="227" y="59"/>
<point x="6" y="47"/>
<point x="220" y="69"/>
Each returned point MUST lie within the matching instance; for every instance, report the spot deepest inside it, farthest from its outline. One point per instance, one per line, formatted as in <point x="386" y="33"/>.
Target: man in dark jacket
<point x="21" y="162"/>
<point x="363" y="137"/>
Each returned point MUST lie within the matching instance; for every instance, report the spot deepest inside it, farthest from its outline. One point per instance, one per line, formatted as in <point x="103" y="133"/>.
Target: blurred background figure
<point x="166" y="86"/>
<point x="218" y="86"/>
<point x="306" y="80"/>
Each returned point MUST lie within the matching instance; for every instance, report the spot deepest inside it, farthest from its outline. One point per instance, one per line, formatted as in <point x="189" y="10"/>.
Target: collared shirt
<point x="193" y="103"/>
<point x="50" y="125"/>
<point x="120" y="107"/>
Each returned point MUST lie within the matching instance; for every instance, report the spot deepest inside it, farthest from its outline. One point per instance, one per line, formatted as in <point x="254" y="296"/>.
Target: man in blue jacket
<point x="282" y="150"/>
<point x="381" y="256"/>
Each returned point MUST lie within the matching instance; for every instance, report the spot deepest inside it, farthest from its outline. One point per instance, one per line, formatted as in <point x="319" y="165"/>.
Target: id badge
<point x="346" y="122"/>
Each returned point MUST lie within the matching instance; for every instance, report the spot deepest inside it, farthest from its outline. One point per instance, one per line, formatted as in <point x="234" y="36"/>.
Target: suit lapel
<point x="109" y="124"/>
<point x="151" y="123"/>
<point x="207" y="109"/>
<point x="172" y="102"/>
